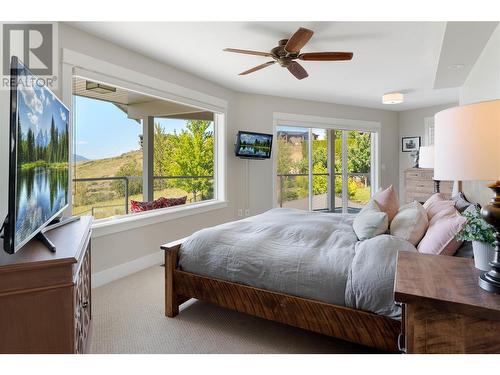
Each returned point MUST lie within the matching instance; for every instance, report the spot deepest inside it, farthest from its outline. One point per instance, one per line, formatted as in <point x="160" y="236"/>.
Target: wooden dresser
<point x="45" y="297"/>
<point x="419" y="185"/>
<point x="444" y="309"/>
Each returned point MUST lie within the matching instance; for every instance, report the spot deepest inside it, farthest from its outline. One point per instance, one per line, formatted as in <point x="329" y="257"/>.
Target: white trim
<point x="123" y="223"/>
<point x="85" y="64"/>
<point x="345" y="175"/>
<point x="428" y="123"/>
<point x="305" y="121"/>
<point x="310" y="167"/>
<point x="125" y="269"/>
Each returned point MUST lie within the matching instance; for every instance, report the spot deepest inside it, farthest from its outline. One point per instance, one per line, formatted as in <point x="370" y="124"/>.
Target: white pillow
<point x="370" y="221"/>
<point x="410" y="223"/>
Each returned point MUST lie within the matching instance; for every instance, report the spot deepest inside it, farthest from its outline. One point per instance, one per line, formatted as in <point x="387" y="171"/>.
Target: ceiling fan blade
<point x="298" y="40"/>
<point x="297" y="70"/>
<point x="325" y="56"/>
<point x="248" y="52"/>
<point x="258" y="67"/>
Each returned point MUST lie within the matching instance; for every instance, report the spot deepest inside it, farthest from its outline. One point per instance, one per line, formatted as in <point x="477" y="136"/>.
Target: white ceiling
<point x="388" y="56"/>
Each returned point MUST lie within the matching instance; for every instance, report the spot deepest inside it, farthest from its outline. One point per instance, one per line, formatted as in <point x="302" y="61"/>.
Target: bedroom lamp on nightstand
<point x="426" y="160"/>
<point x="467" y="148"/>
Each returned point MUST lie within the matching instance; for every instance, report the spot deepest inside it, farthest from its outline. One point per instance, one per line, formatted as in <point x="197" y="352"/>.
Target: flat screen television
<point x="38" y="160"/>
<point x="253" y="145"/>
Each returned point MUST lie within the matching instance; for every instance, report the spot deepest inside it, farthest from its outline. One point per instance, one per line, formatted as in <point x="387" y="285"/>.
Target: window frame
<point x="77" y="64"/>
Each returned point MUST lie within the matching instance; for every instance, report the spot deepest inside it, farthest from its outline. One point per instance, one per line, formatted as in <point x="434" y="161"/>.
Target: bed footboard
<point x="171" y="298"/>
<point x="342" y="322"/>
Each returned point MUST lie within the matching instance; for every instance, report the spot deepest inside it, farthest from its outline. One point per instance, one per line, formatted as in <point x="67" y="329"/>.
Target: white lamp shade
<point x="467" y="142"/>
<point x="426" y="157"/>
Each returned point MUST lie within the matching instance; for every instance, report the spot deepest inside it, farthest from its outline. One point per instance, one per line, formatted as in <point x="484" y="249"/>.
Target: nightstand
<point x="443" y="308"/>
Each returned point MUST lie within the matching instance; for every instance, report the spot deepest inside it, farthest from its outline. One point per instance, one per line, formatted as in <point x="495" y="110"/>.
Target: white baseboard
<point x="125" y="269"/>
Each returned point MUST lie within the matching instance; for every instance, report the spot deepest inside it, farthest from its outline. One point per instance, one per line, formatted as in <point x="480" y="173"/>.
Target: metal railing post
<point x="281" y="191"/>
<point x="126" y="195"/>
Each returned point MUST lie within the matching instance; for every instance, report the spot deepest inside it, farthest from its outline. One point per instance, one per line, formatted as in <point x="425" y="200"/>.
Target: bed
<point x="305" y="269"/>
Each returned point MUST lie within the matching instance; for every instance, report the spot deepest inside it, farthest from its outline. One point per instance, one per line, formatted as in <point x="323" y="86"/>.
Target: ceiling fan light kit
<point x="393" y="98"/>
<point x="288" y="50"/>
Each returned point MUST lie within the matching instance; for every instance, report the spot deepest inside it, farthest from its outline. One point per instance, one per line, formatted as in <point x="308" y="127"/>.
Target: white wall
<point x="245" y="112"/>
<point x="482" y="84"/>
<point x="411" y="124"/>
<point x="483" y="81"/>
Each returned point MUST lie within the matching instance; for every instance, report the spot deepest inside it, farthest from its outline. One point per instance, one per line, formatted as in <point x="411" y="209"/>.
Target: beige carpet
<point x="128" y="317"/>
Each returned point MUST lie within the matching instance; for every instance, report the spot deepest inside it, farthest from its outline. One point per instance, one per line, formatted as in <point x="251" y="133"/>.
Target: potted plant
<point x="482" y="236"/>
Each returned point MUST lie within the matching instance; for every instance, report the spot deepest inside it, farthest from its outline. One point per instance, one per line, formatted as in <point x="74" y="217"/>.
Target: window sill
<point x="104" y="227"/>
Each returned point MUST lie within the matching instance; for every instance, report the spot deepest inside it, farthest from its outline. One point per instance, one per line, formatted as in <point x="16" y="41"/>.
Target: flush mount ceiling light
<point x="392" y="98"/>
<point x="99" y="87"/>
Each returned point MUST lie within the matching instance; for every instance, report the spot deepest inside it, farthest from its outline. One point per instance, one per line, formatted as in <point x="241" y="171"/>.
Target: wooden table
<point x="444" y="309"/>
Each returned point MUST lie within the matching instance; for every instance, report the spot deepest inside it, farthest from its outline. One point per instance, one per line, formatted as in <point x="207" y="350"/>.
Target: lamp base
<point x="490" y="281"/>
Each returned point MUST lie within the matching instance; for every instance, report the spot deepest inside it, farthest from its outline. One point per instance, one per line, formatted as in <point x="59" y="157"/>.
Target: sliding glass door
<point x="293" y="167"/>
<point x="324" y="169"/>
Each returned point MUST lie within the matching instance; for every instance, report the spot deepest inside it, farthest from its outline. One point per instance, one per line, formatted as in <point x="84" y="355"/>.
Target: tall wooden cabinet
<point x="45" y="297"/>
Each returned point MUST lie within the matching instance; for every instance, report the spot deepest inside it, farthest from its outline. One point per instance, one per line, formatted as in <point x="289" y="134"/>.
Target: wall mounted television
<point x="253" y="145"/>
<point x="38" y="160"/>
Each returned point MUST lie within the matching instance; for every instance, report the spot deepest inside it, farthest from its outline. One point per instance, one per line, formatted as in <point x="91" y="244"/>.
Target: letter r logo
<point x="32" y="43"/>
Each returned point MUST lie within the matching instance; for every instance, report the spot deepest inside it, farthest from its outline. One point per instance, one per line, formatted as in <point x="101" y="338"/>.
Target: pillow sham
<point x="440" y="236"/>
<point x="410" y="223"/>
<point x="387" y="201"/>
<point x="439" y="207"/>
<point x="436" y="197"/>
<point x="370" y="221"/>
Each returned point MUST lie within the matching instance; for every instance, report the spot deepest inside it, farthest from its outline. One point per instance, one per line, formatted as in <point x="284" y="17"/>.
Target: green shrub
<point x="134" y="185"/>
<point x="290" y="195"/>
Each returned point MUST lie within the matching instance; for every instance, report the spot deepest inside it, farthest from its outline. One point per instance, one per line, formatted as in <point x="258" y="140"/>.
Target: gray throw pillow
<point x="461" y="203"/>
<point x="370" y="221"/>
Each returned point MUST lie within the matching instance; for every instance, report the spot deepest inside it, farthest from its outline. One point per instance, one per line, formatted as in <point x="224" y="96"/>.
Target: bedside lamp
<point x="467" y="148"/>
<point x="427" y="161"/>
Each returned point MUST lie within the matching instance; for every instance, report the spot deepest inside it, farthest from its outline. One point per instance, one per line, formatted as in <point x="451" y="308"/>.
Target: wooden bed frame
<point x="341" y="322"/>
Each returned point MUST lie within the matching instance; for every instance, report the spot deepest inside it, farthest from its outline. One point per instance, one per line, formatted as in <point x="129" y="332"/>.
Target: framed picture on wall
<point x="409" y="144"/>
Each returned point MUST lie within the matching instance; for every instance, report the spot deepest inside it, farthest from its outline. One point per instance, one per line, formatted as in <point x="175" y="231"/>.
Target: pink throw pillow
<point x="387" y="200"/>
<point x="436" y="197"/>
<point x="440" y="208"/>
<point x="440" y="236"/>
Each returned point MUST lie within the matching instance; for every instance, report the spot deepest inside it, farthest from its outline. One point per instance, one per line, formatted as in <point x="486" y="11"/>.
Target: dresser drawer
<point x="82" y="304"/>
<point x="419" y="174"/>
<point x="421" y="186"/>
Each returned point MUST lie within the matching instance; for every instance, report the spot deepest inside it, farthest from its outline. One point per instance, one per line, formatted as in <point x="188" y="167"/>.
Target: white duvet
<point x="307" y="254"/>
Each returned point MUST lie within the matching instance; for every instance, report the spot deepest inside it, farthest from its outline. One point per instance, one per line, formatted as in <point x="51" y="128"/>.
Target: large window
<point x="134" y="152"/>
<point x="324" y="168"/>
<point x="184" y="159"/>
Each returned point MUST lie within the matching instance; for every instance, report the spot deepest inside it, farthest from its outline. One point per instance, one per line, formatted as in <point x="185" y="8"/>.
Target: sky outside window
<point x="102" y="130"/>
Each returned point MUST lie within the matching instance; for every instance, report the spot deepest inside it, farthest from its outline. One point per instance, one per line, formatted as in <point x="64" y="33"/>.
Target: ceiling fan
<point x="288" y="50"/>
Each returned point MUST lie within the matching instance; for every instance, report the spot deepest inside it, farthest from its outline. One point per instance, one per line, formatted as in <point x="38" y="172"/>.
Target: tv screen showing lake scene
<point x="254" y="145"/>
<point x="42" y="157"/>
